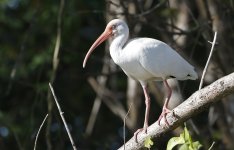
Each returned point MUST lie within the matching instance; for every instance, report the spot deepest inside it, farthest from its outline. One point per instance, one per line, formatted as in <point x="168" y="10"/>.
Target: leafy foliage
<point x="148" y="143"/>
<point x="185" y="141"/>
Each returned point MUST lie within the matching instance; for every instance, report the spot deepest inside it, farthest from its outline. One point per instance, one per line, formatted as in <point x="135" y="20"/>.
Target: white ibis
<point x="144" y="59"/>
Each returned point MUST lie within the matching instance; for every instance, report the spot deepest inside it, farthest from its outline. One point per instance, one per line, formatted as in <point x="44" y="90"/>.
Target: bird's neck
<point x="116" y="47"/>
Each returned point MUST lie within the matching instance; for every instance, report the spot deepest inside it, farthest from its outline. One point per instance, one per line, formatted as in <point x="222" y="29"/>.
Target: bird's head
<point x="113" y="29"/>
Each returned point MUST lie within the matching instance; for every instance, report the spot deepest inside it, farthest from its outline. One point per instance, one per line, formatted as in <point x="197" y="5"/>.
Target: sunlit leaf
<point x="185" y="139"/>
<point x="184" y="147"/>
<point x="148" y="142"/>
<point x="187" y="136"/>
<point x="196" y="145"/>
<point x="174" y="142"/>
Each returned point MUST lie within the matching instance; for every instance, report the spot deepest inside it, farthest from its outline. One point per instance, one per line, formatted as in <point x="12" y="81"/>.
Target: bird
<point x="145" y="60"/>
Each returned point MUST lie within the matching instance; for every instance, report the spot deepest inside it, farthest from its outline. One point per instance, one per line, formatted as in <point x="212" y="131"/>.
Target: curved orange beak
<point x="104" y="36"/>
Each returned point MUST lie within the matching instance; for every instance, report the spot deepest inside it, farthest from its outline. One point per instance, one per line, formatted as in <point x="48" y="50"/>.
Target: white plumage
<point x="144" y="59"/>
<point x="147" y="59"/>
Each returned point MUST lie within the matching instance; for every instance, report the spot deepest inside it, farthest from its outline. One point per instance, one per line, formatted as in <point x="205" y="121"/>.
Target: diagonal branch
<point x="108" y="98"/>
<point x="63" y="118"/>
<point x="101" y="80"/>
<point x="196" y="103"/>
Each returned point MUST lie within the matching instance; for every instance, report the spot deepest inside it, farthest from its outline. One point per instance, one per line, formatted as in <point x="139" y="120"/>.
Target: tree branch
<point x="63" y="118"/>
<point x="196" y="103"/>
<point x="35" y="143"/>
<point x="108" y="98"/>
<point x="208" y="61"/>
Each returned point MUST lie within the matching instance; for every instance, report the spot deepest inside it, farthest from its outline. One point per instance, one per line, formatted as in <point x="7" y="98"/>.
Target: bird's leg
<point x="165" y="109"/>
<point x="147" y="109"/>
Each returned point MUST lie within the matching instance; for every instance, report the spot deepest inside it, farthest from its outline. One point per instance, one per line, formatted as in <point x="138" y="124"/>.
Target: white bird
<point x="144" y="59"/>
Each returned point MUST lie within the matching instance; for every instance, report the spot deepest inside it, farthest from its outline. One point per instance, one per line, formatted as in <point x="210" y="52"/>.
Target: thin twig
<point x="63" y="119"/>
<point x="58" y="38"/>
<point x="115" y="4"/>
<point x="125" y="118"/>
<point x="212" y="146"/>
<point x="202" y="78"/>
<point x="151" y="10"/>
<point x="55" y="63"/>
<point x="35" y="143"/>
<point x="207" y="63"/>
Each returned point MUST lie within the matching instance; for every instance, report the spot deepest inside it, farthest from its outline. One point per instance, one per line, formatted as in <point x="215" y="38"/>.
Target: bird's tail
<point x="192" y="75"/>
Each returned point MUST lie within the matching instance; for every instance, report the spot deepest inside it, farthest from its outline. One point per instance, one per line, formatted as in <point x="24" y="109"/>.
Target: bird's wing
<point x="162" y="61"/>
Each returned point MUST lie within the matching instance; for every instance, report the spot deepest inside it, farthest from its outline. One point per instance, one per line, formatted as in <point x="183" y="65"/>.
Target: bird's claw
<point x="164" y="113"/>
<point x="138" y="131"/>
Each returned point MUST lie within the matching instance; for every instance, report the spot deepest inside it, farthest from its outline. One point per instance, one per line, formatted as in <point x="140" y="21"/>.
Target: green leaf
<point x="196" y="145"/>
<point x="184" y="147"/>
<point x="148" y="142"/>
<point x="187" y="136"/>
<point x="175" y="141"/>
<point x="186" y="140"/>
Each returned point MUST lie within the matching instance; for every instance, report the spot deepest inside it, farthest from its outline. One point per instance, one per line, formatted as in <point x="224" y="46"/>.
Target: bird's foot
<point x="138" y="131"/>
<point x="164" y="113"/>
